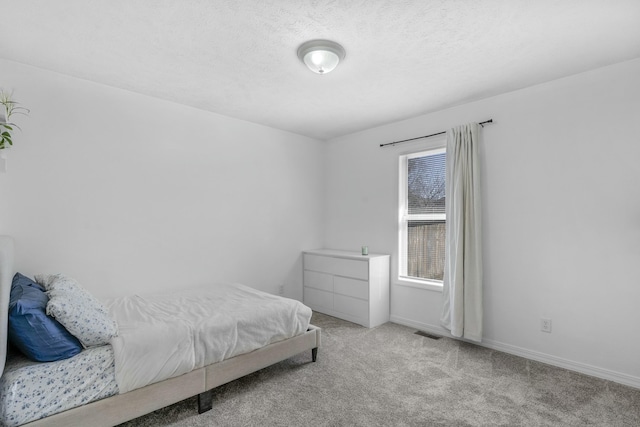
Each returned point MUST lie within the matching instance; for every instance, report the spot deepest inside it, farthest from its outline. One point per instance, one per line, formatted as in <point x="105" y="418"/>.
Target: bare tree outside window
<point x="425" y="178"/>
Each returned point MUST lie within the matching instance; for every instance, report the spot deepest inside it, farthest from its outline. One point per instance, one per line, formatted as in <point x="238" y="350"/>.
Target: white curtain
<point x="462" y="283"/>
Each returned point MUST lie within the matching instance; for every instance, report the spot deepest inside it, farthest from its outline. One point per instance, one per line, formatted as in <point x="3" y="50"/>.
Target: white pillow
<point x="77" y="310"/>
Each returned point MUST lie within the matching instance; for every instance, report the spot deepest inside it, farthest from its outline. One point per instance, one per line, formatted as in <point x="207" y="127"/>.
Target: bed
<point x="101" y="402"/>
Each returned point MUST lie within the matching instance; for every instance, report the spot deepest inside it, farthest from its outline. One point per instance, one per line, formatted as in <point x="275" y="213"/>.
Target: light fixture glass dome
<point x="321" y="56"/>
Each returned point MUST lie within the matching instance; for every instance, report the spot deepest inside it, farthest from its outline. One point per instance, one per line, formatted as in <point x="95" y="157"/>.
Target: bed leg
<point x="314" y="354"/>
<point x="205" y="401"/>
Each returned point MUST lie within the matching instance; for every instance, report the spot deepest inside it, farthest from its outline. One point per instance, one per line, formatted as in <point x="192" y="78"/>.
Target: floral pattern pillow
<point x="77" y="310"/>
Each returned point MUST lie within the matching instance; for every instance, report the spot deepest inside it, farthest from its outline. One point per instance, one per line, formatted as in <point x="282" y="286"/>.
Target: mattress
<point x="32" y="390"/>
<point x="165" y="335"/>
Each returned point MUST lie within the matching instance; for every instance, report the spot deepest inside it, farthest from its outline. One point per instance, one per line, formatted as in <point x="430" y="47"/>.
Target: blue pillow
<point x="38" y="336"/>
<point x="20" y="279"/>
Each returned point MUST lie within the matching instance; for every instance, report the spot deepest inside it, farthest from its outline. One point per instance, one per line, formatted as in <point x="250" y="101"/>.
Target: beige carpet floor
<point x="389" y="376"/>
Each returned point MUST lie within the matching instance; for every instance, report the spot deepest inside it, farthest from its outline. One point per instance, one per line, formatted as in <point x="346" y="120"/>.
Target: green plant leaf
<point x="7" y="127"/>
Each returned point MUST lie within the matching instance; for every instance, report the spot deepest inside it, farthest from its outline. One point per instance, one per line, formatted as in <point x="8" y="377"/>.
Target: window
<point x="422" y="217"/>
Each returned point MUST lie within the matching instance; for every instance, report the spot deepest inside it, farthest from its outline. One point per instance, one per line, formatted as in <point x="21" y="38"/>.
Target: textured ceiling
<point x="238" y="57"/>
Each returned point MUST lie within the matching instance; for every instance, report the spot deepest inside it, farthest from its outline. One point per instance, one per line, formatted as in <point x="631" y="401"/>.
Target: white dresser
<point x="347" y="285"/>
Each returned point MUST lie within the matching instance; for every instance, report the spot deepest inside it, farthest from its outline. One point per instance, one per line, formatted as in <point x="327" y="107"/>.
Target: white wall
<point x="128" y="193"/>
<point x="561" y="221"/>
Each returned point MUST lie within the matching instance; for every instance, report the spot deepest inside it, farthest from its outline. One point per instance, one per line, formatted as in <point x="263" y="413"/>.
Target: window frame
<point x="404" y="218"/>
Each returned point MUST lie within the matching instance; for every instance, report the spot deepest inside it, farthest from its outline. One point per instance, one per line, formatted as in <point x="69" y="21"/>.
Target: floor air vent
<point x="424" y="334"/>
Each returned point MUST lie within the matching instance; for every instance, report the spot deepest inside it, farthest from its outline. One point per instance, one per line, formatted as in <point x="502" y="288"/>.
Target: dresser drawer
<point x="353" y="307"/>
<point x="351" y="287"/>
<point x="317" y="299"/>
<point x="322" y="281"/>
<point x="337" y="266"/>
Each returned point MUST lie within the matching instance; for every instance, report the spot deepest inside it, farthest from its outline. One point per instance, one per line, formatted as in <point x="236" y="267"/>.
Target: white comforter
<point x="166" y="335"/>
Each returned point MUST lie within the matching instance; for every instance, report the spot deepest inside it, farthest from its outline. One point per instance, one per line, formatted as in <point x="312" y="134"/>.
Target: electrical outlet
<point x="281" y="290"/>
<point x="545" y="325"/>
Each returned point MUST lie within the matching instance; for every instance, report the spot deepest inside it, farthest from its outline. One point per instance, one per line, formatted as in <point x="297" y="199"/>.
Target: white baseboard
<point x="571" y="365"/>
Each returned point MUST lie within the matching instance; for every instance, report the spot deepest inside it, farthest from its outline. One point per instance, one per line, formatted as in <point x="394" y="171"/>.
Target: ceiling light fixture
<point x="321" y="56"/>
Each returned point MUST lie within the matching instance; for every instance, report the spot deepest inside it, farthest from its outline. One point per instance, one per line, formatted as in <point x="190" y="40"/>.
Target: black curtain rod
<point x="429" y="136"/>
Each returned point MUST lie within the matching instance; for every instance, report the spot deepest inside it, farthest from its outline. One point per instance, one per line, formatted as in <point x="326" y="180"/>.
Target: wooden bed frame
<point x="124" y="407"/>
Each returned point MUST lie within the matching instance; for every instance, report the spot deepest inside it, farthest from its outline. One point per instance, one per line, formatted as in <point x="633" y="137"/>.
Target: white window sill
<point x="430" y="285"/>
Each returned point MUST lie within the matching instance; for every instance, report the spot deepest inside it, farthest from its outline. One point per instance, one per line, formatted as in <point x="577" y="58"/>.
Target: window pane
<point x="425" y="249"/>
<point x="425" y="184"/>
